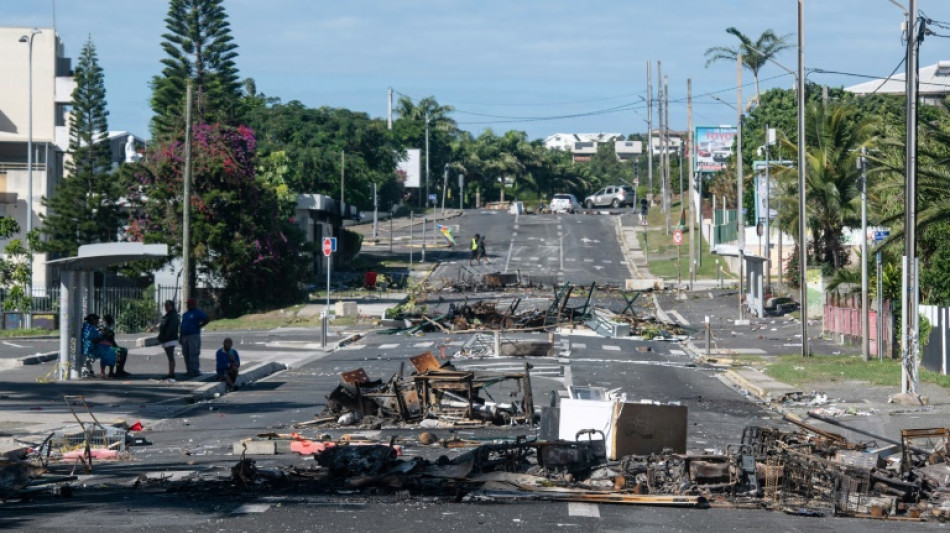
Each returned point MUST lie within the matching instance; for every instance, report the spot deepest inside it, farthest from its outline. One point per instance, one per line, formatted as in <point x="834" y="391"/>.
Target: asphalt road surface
<point x="547" y="248"/>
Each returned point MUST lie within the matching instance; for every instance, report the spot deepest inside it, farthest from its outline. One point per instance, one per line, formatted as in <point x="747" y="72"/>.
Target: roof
<point x="934" y="79"/>
<point x="96" y="256"/>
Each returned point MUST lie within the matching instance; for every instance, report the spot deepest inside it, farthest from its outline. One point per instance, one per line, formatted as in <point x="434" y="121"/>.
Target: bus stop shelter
<point x="77" y="291"/>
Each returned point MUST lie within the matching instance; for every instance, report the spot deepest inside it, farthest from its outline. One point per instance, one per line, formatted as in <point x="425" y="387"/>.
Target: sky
<point x="543" y="67"/>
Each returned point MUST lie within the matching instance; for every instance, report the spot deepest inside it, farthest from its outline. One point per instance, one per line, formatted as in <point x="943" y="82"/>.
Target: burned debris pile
<point x="435" y="394"/>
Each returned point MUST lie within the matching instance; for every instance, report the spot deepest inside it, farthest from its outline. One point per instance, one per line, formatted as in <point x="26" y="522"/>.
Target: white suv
<point x="616" y="196"/>
<point x="564" y="203"/>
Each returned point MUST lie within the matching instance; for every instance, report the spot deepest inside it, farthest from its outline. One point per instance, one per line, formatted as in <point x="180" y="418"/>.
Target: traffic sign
<point x="881" y="235"/>
<point x="678" y="237"/>
<point x="328" y="246"/>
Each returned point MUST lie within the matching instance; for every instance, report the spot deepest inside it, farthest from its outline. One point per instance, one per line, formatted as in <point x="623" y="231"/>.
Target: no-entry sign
<point x="678" y="237"/>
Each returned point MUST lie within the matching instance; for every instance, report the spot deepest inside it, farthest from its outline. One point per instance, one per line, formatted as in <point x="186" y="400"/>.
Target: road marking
<point x="608" y="261"/>
<point x="677" y="352"/>
<point x="514" y="233"/>
<point x="589" y="510"/>
<point x="14" y="345"/>
<point x="572" y="259"/>
<point x="422" y="344"/>
<point x="511" y="246"/>
<point x="611" y="348"/>
<point x="588" y="260"/>
<point x="578" y="345"/>
<point x="388" y="346"/>
<point x="560" y="248"/>
<point x="680" y="317"/>
<point x="534" y="259"/>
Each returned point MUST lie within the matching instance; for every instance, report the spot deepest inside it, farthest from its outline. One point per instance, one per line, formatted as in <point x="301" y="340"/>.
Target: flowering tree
<point x="242" y="239"/>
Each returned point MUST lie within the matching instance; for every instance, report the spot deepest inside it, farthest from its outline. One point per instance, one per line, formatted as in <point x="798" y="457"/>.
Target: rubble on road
<point x="435" y="393"/>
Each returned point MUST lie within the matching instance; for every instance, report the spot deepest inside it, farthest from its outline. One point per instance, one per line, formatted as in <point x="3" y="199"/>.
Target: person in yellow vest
<point x="474" y="256"/>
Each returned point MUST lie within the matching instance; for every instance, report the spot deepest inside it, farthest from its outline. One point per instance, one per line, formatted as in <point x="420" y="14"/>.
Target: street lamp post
<point x="29" y="165"/>
<point x="802" y="238"/>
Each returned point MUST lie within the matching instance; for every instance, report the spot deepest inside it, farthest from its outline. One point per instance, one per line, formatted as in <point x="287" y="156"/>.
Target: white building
<point x="934" y="84"/>
<point x="52" y="92"/>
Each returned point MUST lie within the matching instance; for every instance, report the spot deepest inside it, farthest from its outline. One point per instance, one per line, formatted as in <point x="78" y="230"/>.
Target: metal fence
<point x="134" y="308"/>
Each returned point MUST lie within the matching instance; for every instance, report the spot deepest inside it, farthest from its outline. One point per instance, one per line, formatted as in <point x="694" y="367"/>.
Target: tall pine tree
<point x="84" y="208"/>
<point x="199" y="46"/>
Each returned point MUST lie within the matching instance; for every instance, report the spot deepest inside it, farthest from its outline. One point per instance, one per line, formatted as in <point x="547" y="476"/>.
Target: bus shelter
<point x="77" y="291"/>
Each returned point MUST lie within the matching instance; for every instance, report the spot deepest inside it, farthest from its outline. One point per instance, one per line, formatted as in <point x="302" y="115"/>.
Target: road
<point x="549" y="248"/>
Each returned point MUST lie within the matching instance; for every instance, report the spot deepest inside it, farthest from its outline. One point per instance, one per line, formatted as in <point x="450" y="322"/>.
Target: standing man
<point x="168" y="336"/>
<point x="191" y="323"/>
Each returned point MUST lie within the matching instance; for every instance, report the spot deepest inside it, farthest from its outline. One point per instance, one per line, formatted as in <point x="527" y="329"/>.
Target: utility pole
<point x="650" y="126"/>
<point x="689" y="194"/>
<point x="865" y="328"/>
<point x="739" y="192"/>
<point x="802" y="213"/>
<point x="342" y="178"/>
<point x="461" y="191"/>
<point x="427" y="169"/>
<point x="445" y="185"/>
<point x="375" y="214"/>
<point x="389" y="114"/>
<point x="910" y="341"/>
<point x="659" y="109"/>
<point x="186" y="204"/>
<point x="667" y="183"/>
<point x="769" y="139"/>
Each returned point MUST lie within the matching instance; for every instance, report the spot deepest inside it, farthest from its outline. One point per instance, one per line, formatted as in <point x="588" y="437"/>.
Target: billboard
<point x="410" y="169"/>
<point x="712" y="147"/>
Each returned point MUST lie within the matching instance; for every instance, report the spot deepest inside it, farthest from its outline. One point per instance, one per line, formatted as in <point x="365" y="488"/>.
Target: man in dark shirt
<point x="191" y="323"/>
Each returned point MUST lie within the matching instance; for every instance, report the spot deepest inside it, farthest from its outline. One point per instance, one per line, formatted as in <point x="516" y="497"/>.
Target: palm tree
<point x="754" y="54"/>
<point x="833" y="144"/>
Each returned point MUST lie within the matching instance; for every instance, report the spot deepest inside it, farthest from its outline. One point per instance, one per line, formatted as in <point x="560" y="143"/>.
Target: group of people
<point x="175" y="330"/>
<point x="98" y="344"/>
<point x="478" y="250"/>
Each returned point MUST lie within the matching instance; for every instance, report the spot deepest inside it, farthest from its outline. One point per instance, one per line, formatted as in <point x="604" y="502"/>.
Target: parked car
<point x="703" y="150"/>
<point x="614" y="196"/>
<point x="722" y="155"/>
<point x="564" y="203"/>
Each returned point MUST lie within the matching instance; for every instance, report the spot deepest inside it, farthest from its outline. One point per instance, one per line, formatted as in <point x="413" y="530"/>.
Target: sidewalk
<point x="33" y="404"/>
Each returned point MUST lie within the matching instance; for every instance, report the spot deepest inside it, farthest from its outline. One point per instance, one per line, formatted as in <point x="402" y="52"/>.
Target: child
<point x="227" y="363"/>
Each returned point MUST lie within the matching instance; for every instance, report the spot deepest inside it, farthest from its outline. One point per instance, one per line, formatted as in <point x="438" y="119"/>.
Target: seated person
<point x="227" y="363"/>
<point x="121" y="354"/>
<point x="90" y="343"/>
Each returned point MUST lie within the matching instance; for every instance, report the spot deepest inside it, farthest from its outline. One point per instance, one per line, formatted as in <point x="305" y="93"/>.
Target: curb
<point x="38" y="358"/>
<point x="761" y="391"/>
<point x="253" y="373"/>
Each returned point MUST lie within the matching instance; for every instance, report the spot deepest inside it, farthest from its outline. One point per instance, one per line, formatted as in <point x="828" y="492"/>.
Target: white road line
<point x="388" y="346"/>
<point x="14" y="345"/>
<point x="589" y="510"/>
<point x="611" y="348"/>
<point x="534" y="258"/>
<point x="511" y="246"/>
<point x="606" y="261"/>
<point x="677" y="352"/>
<point x="560" y="248"/>
<point x="578" y="345"/>
<point x="422" y="344"/>
<point x="588" y="260"/>
<point x="252" y="508"/>
<point x="568" y="259"/>
<point x="681" y="318"/>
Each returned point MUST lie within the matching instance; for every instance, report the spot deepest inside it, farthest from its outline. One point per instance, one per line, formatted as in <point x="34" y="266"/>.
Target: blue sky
<point x="523" y="59"/>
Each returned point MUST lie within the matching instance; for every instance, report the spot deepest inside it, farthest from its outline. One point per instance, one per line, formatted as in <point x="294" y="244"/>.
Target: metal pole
<point x="461" y="191"/>
<point x="668" y="184"/>
<point x="739" y="200"/>
<point x="769" y="133"/>
<point x="880" y="309"/>
<point x="423" y="239"/>
<point x="427" y="177"/>
<point x="186" y="203"/>
<point x="445" y="185"/>
<point x="802" y="214"/>
<point x="691" y="177"/>
<point x="411" y="224"/>
<point x="342" y="178"/>
<point x="389" y="120"/>
<point x="865" y="327"/>
<point x="650" y="126"/>
<point x="375" y="213"/>
<point x="29" y="172"/>
<point x="392" y="214"/>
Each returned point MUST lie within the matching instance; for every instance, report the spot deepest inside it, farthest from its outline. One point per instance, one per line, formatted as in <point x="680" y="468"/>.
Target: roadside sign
<point x="881" y="235"/>
<point x="678" y="237"/>
<point x="327" y="246"/>
<point x="333" y="244"/>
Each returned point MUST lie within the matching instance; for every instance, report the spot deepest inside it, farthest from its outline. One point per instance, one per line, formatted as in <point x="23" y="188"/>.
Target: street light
<point x="29" y="164"/>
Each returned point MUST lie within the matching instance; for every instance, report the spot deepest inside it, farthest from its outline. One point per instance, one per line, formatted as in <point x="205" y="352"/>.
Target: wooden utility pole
<point x="666" y="152"/>
<point x="650" y="126"/>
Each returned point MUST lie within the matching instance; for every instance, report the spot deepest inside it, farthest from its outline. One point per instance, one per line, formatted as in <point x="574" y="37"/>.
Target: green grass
<point x="794" y="370"/>
<point x="13" y="333"/>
